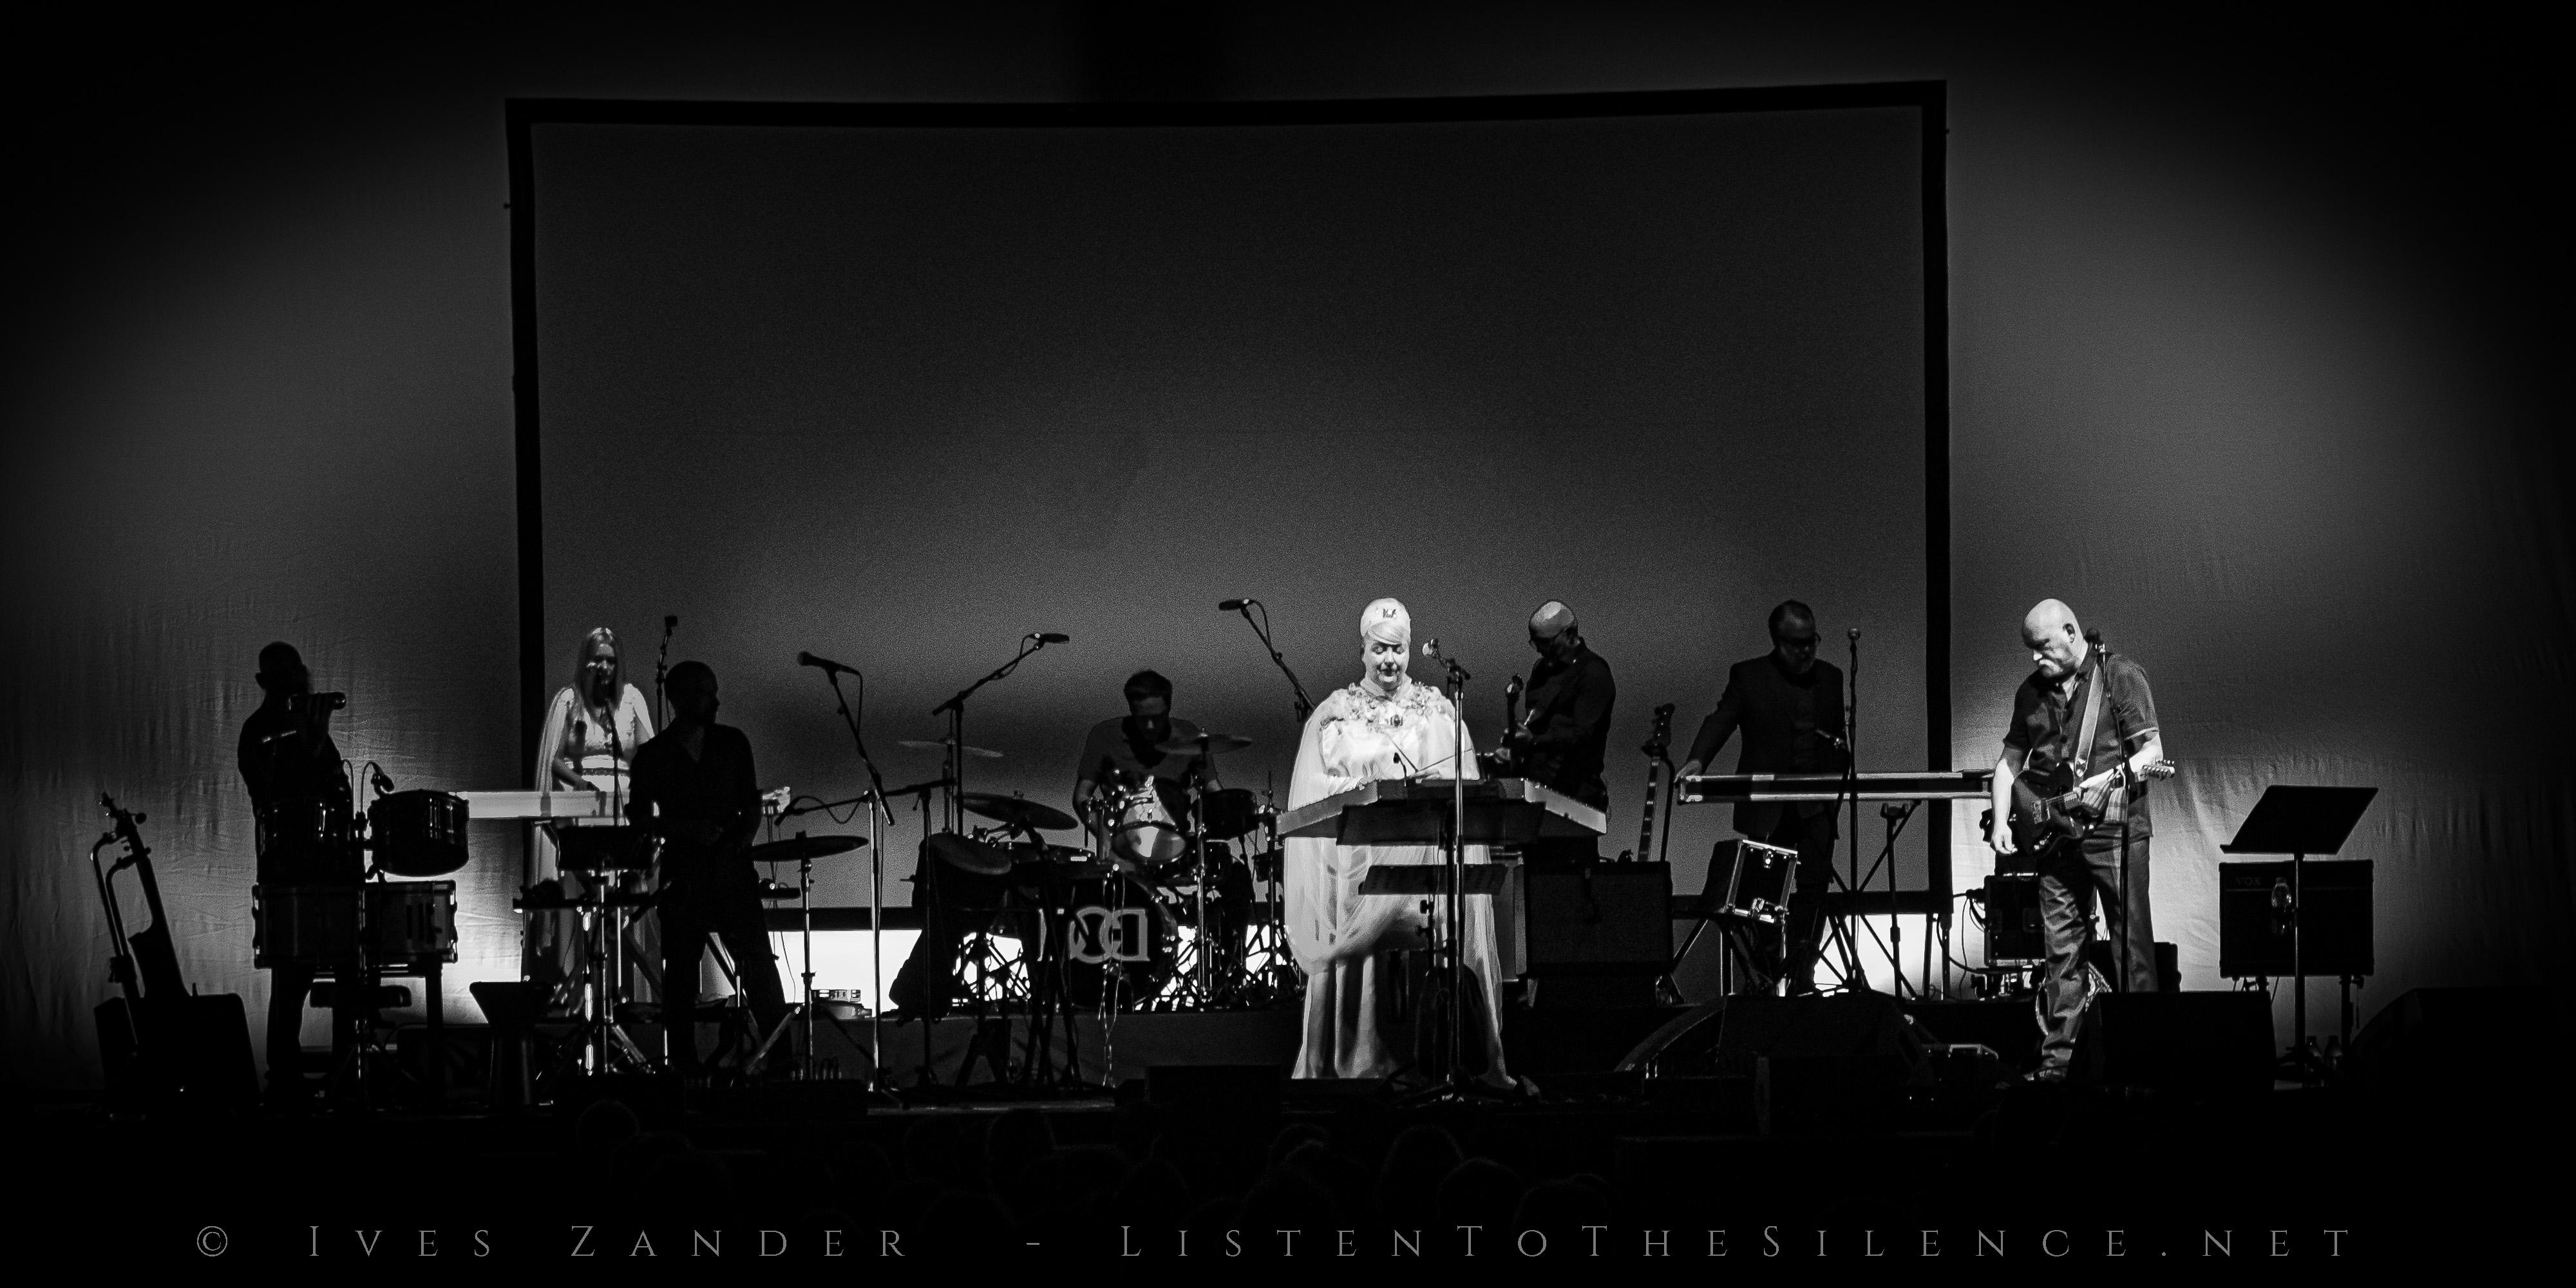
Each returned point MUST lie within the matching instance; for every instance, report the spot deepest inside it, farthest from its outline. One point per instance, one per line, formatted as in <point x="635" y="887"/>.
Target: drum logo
<point x="1101" y="935"/>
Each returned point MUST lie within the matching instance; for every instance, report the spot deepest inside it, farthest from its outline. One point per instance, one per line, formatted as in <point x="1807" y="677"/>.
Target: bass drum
<point x="418" y="834"/>
<point x="1118" y="943"/>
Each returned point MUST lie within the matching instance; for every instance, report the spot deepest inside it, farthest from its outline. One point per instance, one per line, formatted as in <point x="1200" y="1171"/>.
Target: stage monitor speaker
<point x="192" y="1053"/>
<point x="2192" y="1043"/>
<point x="2451" y="1046"/>
<point x="2104" y="957"/>
<point x="2254" y="919"/>
<point x="1252" y="1087"/>
<point x="1598" y="918"/>
<point x="1726" y="1037"/>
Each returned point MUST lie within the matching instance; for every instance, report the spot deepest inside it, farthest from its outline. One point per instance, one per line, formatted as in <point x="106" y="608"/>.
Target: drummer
<point x="1125" y="753"/>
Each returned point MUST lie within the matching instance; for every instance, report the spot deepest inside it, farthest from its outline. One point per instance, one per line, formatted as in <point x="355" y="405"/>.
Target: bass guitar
<point x="161" y="1046"/>
<point x="1498" y="762"/>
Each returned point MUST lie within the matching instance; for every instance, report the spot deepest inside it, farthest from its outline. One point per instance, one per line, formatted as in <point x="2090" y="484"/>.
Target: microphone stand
<point x="1304" y="707"/>
<point x="662" y="671"/>
<point x="879" y="814"/>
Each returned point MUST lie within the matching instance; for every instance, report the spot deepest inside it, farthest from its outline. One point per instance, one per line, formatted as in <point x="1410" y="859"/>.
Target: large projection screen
<point x="899" y="386"/>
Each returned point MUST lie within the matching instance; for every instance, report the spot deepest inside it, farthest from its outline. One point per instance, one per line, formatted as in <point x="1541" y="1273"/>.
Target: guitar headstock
<point x="126" y="822"/>
<point x="1659" y="744"/>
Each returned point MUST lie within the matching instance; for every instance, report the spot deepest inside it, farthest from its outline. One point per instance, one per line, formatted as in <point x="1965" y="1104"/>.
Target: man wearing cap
<point x="1566" y="722"/>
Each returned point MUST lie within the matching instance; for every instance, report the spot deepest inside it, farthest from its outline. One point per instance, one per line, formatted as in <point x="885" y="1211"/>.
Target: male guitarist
<point x="2078" y="687"/>
<point x="1560" y="742"/>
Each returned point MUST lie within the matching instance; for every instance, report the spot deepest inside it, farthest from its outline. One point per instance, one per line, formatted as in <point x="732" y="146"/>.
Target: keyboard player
<point x="1788" y="706"/>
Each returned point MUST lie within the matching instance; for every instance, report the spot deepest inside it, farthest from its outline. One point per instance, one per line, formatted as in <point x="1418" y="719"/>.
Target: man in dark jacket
<point x="1790" y="709"/>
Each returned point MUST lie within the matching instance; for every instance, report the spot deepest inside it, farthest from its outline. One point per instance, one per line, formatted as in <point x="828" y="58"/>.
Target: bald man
<point x="1565" y="721"/>
<point x="2077" y="873"/>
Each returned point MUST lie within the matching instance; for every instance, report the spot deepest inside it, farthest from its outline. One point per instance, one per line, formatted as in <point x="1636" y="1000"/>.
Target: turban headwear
<point x="1386" y="621"/>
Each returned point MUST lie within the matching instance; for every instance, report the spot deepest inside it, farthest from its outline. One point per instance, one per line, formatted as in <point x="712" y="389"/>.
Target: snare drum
<point x="418" y="834"/>
<point x="314" y="927"/>
<point x="410" y="923"/>
<point x="1751" y="880"/>
<point x="308" y="841"/>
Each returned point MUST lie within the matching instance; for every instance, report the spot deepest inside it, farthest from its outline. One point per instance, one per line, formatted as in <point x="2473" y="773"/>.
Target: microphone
<point x="1234" y="605"/>
<point x="1050" y="637"/>
<point x="1855" y="632"/>
<point x="376" y="773"/>
<point x="827" y="665"/>
<point x="670" y="623"/>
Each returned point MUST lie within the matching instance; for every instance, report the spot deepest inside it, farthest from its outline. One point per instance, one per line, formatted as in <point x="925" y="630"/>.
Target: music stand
<point x="2300" y="821"/>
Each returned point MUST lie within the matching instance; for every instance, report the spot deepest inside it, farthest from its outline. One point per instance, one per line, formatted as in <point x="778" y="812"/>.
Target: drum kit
<point x="1156" y="911"/>
<point x="357" y="932"/>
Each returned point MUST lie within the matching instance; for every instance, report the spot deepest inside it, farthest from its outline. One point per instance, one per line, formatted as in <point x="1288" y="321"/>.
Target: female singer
<point x="1385" y="726"/>
<point x="592" y="730"/>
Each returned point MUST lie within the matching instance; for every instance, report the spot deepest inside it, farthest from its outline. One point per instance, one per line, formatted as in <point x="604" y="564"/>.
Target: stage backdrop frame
<point x="1927" y="98"/>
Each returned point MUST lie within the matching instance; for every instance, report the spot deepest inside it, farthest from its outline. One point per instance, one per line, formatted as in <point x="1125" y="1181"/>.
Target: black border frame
<point x="1930" y="98"/>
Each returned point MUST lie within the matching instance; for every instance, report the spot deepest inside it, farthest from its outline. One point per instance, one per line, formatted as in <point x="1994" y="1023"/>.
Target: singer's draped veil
<point x="1359" y="735"/>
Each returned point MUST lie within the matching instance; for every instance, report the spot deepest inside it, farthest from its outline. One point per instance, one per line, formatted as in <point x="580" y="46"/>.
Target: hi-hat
<point x="1213" y="744"/>
<point x="968" y="856"/>
<point x="1016" y="811"/>
<point x="803" y="847"/>
<point x="943" y="744"/>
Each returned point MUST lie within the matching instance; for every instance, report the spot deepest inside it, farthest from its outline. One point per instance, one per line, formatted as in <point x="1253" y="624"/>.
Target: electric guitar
<point x="2049" y="807"/>
<point x="1658" y="749"/>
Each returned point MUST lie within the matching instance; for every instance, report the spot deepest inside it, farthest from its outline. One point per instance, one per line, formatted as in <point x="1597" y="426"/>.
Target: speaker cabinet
<point x="2194" y="1043"/>
<point x="1598" y="919"/>
<point x="2254" y="906"/>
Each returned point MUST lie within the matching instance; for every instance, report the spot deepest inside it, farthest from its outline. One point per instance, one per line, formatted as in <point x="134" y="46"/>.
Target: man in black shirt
<point x="300" y="802"/>
<point x="1789" y="706"/>
<point x="1119" y="754"/>
<point x="1565" y="723"/>
<point x="2048" y="720"/>
<point x="693" y="785"/>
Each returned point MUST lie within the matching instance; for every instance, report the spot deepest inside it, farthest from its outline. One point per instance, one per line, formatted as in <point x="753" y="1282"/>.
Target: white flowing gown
<point x="1341" y="937"/>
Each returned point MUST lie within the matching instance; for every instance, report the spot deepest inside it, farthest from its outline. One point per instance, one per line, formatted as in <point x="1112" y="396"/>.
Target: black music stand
<point x="2300" y="821"/>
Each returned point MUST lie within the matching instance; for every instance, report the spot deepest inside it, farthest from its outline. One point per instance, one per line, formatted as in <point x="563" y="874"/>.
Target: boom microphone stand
<point x="1262" y="629"/>
<point x="879" y="815"/>
<point x="955" y="710"/>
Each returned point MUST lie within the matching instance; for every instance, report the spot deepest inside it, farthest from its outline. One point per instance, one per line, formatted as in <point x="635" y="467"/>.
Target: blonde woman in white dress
<point x="1385" y="726"/>
<point x="592" y="730"/>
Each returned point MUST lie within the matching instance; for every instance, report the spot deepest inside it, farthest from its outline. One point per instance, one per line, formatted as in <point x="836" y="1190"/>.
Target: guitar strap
<point x="2083" y="749"/>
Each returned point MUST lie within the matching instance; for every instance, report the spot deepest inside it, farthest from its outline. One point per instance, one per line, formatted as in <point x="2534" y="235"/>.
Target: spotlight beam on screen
<point x="903" y="380"/>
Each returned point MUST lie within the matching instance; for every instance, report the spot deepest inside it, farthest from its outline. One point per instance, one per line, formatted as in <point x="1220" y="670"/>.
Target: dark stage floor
<point x="812" y="1170"/>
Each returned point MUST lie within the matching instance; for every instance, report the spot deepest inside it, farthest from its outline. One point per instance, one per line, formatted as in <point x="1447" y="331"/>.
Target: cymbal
<point x="1015" y="810"/>
<point x="943" y="744"/>
<point x="803" y="847"/>
<point x="1215" y="744"/>
<point x="969" y="856"/>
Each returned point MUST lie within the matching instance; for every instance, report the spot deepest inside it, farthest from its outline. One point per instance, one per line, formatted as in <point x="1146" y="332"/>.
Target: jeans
<point x="2071" y="882"/>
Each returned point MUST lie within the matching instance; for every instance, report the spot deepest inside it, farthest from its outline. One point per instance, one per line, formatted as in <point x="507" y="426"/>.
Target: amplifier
<point x="1598" y="918"/>
<point x="2013" y="932"/>
<point x="2254" y="906"/>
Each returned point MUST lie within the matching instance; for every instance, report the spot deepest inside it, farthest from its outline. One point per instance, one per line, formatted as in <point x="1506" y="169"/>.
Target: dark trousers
<point x="728" y="905"/>
<point x="1812" y="836"/>
<point x="2071" y="882"/>
<point x="288" y="987"/>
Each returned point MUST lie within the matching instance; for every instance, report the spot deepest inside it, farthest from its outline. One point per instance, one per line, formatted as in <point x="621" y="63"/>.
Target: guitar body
<point x="2048" y="810"/>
